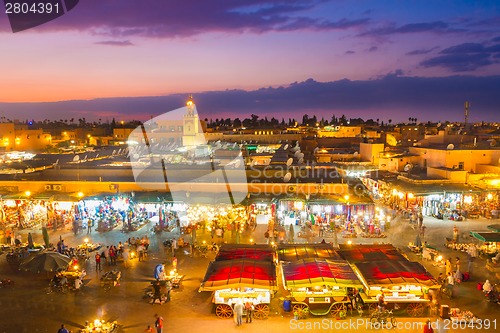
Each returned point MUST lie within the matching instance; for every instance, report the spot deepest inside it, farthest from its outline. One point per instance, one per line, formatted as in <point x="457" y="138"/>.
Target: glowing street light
<point x="27" y="193"/>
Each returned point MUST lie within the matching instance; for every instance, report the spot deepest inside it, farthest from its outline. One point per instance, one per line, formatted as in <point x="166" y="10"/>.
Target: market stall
<point x="295" y="252"/>
<point x="320" y="285"/>
<point x="403" y="284"/>
<point x="490" y="240"/>
<point x="369" y="252"/>
<point x="243" y="280"/>
<point x="246" y="251"/>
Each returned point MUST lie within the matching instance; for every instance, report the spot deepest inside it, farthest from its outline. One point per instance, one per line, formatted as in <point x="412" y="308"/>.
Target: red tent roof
<point x="319" y="272"/>
<point x="294" y="252"/>
<point x="395" y="272"/>
<point x="376" y="252"/>
<point x="245" y="251"/>
<point x="240" y="274"/>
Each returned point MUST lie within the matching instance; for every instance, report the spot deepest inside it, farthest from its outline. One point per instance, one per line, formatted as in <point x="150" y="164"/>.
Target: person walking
<point x="112" y="255"/>
<point x="62" y="329"/>
<point x="458" y="272"/>
<point x="428" y="327"/>
<point x="238" y="312"/>
<point x="471" y="255"/>
<point x="448" y="266"/>
<point x="249" y="309"/>
<point x="97" y="262"/>
<point x="159" y="323"/>
<point x="455" y="234"/>
<point x="156" y="292"/>
<point x="450" y="280"/>
<point x="106" y="255"/>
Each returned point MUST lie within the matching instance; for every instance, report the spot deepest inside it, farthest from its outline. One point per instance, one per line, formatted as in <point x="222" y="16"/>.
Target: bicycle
<point x="383" y="319"/>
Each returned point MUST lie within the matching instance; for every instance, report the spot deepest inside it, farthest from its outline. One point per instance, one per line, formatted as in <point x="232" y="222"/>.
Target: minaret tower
<point x="191" y="135"/>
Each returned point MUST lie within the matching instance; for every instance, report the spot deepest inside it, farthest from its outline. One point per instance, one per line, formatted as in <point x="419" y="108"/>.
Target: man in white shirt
<point x="78" y="283"/>
<point x="450" y="280"/>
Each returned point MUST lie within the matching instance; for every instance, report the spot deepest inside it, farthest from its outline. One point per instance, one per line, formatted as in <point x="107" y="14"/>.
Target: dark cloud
<point x="464" y="48"/>
<point x="392" y="28"/>
<point x="349" y="52"/>
<point x="459" y="62"/>
<point x="169" y="18"/>
<point x="421" y="51"/>
<point x="423" y="27"/>
<point x="116" y="43"/>
<point x="372" y="49"/>
<point x="392" y="96"/>
<point x="465" y="57"/>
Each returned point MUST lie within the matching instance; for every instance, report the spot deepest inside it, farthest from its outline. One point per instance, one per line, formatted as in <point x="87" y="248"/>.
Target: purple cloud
<point x="421" y="51"/>
<point x="438" y="26"/>
<point x="392" y="28"/>
<point x="116" y="43"/>
<point x="170" y="19"/>
<point x="464" y="57"/>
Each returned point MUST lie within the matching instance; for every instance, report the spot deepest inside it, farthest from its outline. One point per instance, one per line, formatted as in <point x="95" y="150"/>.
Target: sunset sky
<point x="372" y="59"/>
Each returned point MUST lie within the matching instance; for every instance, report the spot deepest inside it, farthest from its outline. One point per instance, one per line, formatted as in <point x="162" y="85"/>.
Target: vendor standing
<point x="455" y="234"/>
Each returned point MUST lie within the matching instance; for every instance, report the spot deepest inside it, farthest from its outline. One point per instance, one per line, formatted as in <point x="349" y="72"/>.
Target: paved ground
<point x="28" y="308"/>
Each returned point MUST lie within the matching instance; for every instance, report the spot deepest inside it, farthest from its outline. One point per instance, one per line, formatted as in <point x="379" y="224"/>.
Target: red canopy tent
<point x="245" y="251"/>
<point x="395" y="273"/>
<point x="294" y="252"/>
<point x="369" y="252"/>
<point x="319" y="272"/>
<point x="240" y="274"/>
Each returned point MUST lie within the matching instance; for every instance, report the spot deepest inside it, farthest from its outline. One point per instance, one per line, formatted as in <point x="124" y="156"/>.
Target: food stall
<point x="100" y="326"/>
<point x="490" y="240"/>
<point x="258" y="252"/>
<point x="321" y="286"/>
<point x="403" y="284"/>
<point x="384" y="270"/>
<point x="295" y="252"/>
<point x="233" y="281"/>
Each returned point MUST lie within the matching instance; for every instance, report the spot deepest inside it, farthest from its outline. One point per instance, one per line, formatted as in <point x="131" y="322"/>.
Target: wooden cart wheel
<point x="336" y="309"/>
<point x="223" y="311"/>
<point x="372" y="308"/>
<point x="415" y="309"/>
<point x="392" y="322"/>
<point x="261" y="311"/>
<point x="299" y="307"/>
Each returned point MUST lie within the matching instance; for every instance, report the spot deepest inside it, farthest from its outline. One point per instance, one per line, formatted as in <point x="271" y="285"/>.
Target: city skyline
<point x="387" y="60"/>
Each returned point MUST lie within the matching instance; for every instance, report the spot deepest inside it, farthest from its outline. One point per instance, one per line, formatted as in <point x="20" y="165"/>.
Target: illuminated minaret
<point x="191" y="135"/>
<point x="466" y="113"/>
